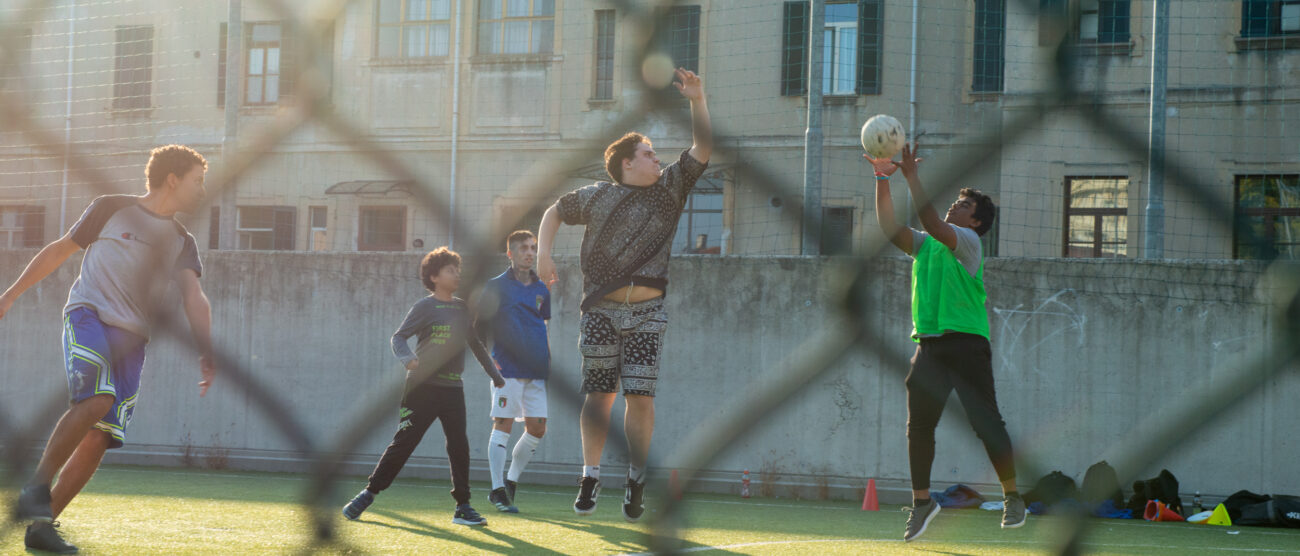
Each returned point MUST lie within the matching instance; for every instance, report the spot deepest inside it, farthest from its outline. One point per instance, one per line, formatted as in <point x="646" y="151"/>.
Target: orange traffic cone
<point x="674" y="486"/>
<point x="869" y="501"/>
<point x="1158" y="511"/>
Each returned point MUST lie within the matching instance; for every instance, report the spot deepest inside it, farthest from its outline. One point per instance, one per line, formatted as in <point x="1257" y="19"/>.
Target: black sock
<point x="1013" y="494"/>
<point x="918" y="502"/>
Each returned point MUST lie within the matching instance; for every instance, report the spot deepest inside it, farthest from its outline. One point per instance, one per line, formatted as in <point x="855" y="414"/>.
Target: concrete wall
<point x="1082" y="352"/>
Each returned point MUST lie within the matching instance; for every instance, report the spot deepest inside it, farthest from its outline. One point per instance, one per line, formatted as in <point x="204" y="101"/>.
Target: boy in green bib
<point x="951" y="329"/>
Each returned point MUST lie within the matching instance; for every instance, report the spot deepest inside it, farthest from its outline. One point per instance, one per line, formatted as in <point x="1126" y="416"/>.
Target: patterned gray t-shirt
<point x="630" y="229"/>
<point x="132" y="255"/>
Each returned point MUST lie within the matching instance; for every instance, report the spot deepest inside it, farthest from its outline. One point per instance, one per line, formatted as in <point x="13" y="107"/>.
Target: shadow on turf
<point x="429" y="530"/>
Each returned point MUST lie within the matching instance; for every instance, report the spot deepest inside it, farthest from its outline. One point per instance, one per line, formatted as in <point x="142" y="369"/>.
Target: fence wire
<point x="846" y="330"/>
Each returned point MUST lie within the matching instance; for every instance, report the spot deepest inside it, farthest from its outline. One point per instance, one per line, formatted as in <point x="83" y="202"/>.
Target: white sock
<point x="637" y="474"/>
<point x="592" y="471"/>
<point x="497" y="456"/>
<point x="522" y="454"/>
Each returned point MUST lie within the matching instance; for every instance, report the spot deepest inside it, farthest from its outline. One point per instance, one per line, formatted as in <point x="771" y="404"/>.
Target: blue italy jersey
<point x="516" y="316"/>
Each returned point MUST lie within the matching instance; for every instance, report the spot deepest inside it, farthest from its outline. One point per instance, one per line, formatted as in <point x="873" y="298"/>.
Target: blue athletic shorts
<point x="103" y="359"/>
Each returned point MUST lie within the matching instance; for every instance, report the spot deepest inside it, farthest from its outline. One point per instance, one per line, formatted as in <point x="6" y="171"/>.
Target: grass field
<point x="134" y="510"/>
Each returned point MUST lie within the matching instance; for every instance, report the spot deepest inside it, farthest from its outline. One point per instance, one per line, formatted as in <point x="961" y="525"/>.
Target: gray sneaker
<point x="920" y="517"/>
<point x="42" y="536"/>
<point x="1013" y="512"/>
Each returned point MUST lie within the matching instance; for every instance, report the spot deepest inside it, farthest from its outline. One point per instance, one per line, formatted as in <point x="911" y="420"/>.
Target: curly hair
<point x="621" y="150"/>
<point x="170" y="159"/>
<point x="985" y="210"/>
<point x="433" y="262"/>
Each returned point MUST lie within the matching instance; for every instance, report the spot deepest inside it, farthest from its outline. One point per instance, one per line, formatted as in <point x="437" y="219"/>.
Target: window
<point x="1267" y="18"/>
<point x="382" y="229"/>
<point x="1100" y="21"/>
<point x="516" y="26"/>
<point x="22" y="226"/>
<point x="837" y="231"/>
<point x="1096" y="216"/>
<point x="265" y="227"/>
<point x="133" y="67"/>
<point x="839" y="49"/>
<point x="269" y="68"/>
<point x="317" y="238"/>
<point x="851" y="55"/>
<point x="989" y="46"/>
<point x="413" y="28"/>
<point x="262" y="70"/>
<point x="214" y="227"/>
<point x="604" y="57"/>
<point x="700" y="228"/>
<point x="679" y="36"/>
<point x="1268" y="217"/>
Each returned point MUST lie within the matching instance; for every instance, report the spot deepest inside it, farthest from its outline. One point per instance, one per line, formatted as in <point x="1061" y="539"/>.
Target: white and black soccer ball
<point x="883" y="136"/>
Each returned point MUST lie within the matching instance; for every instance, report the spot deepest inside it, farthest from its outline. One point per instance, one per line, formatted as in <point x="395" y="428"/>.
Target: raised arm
<point x="935" y="226"/>
<point x="45" y="262"/>
<point x="692" y="87"/>
<point x="545" y="239"/>
<point x="198" y="311"/>
<point x="900" y="236"/>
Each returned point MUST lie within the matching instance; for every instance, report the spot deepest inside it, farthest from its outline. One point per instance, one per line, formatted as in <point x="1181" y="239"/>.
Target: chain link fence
<point x="1064" y="88"/>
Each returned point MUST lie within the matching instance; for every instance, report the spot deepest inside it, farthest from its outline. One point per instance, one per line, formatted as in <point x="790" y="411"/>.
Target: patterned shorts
<point x="622" y="341"/>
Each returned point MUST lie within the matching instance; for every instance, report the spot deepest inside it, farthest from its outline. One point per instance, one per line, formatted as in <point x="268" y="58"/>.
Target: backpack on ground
<point x="1100" y="483"/>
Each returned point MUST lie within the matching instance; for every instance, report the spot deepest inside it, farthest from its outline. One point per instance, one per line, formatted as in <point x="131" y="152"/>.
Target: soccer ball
<point x="883" y="136"/>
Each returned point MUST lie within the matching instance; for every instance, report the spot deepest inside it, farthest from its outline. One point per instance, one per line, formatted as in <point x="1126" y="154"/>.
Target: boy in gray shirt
<point x="135" y="249"/>
<point x="434" y="391"/>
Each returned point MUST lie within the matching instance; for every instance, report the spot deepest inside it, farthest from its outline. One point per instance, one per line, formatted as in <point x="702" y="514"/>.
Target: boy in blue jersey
<point x="434" y="390"/>
<point x="514" y="311"/>
<point x="135" y="250"/>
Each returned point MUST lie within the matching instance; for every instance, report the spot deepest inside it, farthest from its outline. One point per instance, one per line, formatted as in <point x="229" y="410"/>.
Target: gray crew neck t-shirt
<point x="132" y="255"/>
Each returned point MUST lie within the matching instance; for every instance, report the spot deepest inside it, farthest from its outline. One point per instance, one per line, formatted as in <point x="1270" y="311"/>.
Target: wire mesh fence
<point x="397" y="126"/>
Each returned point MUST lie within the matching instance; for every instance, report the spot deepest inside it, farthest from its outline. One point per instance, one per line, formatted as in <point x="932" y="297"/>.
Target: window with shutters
<point x="852" y="39"/>
<point x="1269" y="24"/>
<point x="382" y="229"/>
<point x="988" y="50"/>
<point x="264" y="228"/>
<point x="678" y="36"/>
<point x="1099" y="23"/>
<point x="133" y="68"/>
<point x="603" y="72"/>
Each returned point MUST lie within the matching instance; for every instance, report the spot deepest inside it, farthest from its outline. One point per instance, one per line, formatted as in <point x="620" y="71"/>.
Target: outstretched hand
<point x="909" y="160"/>
<point x="689" y="84"/>
<point x="883" y="166"/>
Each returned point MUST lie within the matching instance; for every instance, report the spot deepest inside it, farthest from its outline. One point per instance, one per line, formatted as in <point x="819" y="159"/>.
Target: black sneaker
<point x="1013" y="512"/>
<point x="633" y="503"/>
<point x="43" y="536"/>
<point x="501" y="500"/>
<point x="466" y="515"/>
<point x="358" y="504"/>
<point x="588" y="490"/>
<point x="510" y="489"/>
<point x="919" y="518"/>
<point x="34" y="504"/>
